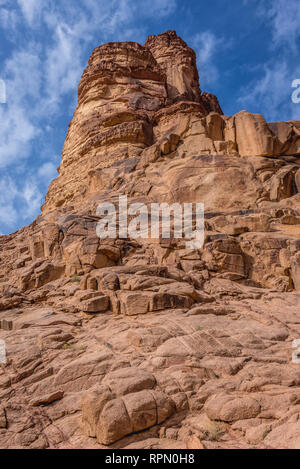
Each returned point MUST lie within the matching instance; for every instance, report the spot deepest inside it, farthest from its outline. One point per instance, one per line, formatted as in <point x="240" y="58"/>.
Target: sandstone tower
<point x="142" y="343"/>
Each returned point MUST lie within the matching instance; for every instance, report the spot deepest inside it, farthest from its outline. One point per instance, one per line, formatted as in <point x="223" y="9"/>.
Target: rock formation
<point x="143" y="343"/>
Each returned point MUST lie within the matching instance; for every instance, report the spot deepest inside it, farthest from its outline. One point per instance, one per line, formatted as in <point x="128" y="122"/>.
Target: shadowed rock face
<point x="142" y="343"/>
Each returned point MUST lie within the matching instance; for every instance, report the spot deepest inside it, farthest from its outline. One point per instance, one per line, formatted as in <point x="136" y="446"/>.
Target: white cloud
<point x="32" y="198"/>
<point x="284" y="16"/>
<point x="272" y="92"/>
<point x="158" y="7"/>
<point x="23" y="75"/>
<point x="8" y="213"/>
<point x="63" y="65"/>
<point x="47" y="172"/>
<point x="8" y="18"/>
<point x="22" y="78"/>
<point x="28" y="199"/>
<point x="31" y="9"/>
<point x="16" y="132"/>
<point x="206" y="45"/>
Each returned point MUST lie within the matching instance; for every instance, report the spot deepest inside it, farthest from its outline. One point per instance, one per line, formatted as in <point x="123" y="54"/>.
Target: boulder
<point x="230" y="408"/>
<point x="99" y="304"/>
<point x="253" y="136"/>
<point x="133" y="413"/>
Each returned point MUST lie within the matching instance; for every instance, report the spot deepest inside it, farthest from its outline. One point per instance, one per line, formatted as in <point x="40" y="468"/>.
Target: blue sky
<point x="248" y="55"/>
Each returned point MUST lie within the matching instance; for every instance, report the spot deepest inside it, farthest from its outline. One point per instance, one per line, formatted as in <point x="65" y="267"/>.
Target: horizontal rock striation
<point x="120" y="93"/>
<point x="139" y="342"/>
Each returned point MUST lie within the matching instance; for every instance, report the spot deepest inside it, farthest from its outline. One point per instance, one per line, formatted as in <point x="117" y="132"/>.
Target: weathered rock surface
<point x="143" y="343"/>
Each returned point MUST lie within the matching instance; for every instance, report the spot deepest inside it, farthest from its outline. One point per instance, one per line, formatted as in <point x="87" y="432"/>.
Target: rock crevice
<point x="139" y="342"/>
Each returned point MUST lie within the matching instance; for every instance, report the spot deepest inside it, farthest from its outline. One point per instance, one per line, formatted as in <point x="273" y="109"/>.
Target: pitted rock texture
<point x="120" y="93"/>
<point x="179" y="65"/>
<point x="143" y="343"/>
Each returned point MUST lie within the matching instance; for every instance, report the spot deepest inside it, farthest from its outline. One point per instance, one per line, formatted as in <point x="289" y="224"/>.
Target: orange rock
<point x="195" y="349"/>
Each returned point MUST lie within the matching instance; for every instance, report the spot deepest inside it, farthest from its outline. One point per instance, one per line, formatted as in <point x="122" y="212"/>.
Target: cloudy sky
<point x="248" y="54"/>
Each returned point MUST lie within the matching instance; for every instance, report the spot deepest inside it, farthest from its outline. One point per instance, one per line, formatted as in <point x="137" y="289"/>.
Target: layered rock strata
<point x="142" y="343"/>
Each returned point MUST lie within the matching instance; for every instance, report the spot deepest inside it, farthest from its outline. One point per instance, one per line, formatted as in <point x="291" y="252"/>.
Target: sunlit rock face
<point x="120" y="89"/>
<point x="139" y="342"/>
<point x="120" y="94"/>
<point x="178" y="61"/>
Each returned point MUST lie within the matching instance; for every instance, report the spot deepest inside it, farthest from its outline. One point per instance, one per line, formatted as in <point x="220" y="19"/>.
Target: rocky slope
<point x="142" y="343"/>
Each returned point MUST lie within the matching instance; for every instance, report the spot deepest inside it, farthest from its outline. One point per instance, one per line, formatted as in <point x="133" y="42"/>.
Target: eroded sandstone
<point x="143" y="343"/>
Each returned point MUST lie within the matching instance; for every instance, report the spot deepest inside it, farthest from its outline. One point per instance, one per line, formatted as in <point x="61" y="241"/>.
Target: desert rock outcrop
<point x="141" y="342"/>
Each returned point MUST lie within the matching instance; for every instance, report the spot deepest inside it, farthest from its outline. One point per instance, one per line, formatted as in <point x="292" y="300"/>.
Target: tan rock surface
<point x="142" y="343"/>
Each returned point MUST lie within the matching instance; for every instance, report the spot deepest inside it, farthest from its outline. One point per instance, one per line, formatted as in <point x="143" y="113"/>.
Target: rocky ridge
<point x="142" y="343"/>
